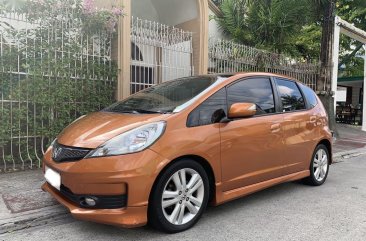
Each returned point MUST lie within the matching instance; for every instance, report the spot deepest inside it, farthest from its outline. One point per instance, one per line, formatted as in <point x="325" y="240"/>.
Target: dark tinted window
<point x="209" y="110"/>
<point x="136" y="53"/>
<point x="164" y="97"/>
<point x="290" y="95"/>
<point x="255" y="90"/>
<point x="310" y="95"/>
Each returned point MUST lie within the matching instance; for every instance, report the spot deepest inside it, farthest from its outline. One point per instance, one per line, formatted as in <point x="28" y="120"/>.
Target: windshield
<point x="165" y="97"/>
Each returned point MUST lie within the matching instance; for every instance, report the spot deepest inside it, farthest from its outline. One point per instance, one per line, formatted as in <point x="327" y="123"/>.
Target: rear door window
<point x="291" y="97"/>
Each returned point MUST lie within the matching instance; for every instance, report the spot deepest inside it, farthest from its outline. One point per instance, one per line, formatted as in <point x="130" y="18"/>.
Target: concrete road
<point x="292" y="211"/>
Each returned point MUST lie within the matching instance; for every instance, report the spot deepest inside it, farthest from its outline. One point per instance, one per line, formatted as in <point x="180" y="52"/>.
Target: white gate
<point x="159" y="53"/>
<point x="227" y="56"/>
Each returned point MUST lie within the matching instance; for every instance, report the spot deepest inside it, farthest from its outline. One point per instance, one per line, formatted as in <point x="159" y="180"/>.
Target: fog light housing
<point x="89" y="201"/>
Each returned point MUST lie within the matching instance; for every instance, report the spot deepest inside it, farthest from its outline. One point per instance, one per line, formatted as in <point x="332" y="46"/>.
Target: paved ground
<point x="292" y="211"/>
<point x="350" y="137"/>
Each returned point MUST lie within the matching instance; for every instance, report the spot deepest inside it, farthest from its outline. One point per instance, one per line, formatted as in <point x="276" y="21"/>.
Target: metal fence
<point x="228" y="56"/>
<point x="159" y="53"/>
<point x="49" y="76"/>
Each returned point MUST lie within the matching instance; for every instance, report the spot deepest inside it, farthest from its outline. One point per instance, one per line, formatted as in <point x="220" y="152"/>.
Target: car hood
<point x="96" y="128"/>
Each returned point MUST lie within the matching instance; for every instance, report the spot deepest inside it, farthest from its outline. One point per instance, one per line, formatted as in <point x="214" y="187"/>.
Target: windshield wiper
<point x="141" y="111"/>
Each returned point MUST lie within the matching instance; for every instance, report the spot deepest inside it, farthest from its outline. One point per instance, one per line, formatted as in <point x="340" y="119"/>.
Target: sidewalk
<point x="351" y="140"/>
<point x="23" y="204"/>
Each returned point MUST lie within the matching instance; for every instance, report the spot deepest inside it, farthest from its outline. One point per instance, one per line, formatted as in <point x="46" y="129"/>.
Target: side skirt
<point x="222" y="197"/>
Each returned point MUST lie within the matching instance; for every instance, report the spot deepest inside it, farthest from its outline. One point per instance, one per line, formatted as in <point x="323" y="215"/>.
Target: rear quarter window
<point x="309" y="95"/>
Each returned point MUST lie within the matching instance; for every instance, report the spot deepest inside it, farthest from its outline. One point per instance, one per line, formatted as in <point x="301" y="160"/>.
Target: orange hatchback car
<point x="162" y="155"/>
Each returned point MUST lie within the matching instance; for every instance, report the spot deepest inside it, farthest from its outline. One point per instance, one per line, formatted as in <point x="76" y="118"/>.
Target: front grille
<point x="61" y="153"/>
<point x="102" y="201"/>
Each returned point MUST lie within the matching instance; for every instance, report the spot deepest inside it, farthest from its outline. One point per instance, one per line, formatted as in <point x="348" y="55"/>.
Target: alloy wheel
<point x="320" y="165"/>
<point x="183" y="196"/>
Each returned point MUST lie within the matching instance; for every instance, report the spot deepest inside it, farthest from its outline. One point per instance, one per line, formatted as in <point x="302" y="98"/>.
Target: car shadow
<point x="210" y="217"/>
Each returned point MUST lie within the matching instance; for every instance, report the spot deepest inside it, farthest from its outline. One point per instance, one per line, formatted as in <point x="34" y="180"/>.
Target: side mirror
<point x="242" y="110"/>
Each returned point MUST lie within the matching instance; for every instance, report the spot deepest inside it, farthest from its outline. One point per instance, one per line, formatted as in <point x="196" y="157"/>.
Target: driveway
<point x="292" y="211"/>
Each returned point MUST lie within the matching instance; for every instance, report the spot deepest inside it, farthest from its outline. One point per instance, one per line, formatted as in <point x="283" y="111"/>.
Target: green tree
<point x="353" y="11"/>
<point x="265" y="24"/>
<point x="306" y="44"/>
<point x="289" y="26"/>
<point x="234" y="20"/>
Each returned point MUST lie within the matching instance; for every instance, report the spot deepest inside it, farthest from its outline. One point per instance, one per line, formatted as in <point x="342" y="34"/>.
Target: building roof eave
<point x="352" y="78"/>
<point x="214" y="8"/>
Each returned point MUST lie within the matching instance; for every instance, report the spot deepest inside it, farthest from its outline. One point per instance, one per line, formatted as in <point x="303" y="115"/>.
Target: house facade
<point x="353" y="90"/>
<point x="160" y="40"/>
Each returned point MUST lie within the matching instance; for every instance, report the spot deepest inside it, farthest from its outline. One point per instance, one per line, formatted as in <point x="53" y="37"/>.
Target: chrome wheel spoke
<point x="194" y="179"/>
<point x="177" y="181"/>
<point x="182" y="174"/>
<point x="317" y="173"/>
<point x="324" y="160"/>
<point x="181" y="213"/>
<point x="169" y="202"/>
<point x="170" y="194"/>
<point x="195" y="201"/>
<point x="191" y="208"/>
<point x="173" y="217"/>
<point x="198" y="184"/>
<point x="320" y="154"/>
<point x="321" y="174"/>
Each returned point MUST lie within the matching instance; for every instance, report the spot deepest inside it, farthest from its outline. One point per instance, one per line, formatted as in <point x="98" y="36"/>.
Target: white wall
<point x="341" y="95"/>
<point x="173" y="12"/>
<point x="144" y="9"/>
<point x="169" y="12"/>
<point x="214" y="30"/>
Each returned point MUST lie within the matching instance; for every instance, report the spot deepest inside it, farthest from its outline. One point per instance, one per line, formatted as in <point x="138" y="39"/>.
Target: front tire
<point x="319" y="166"/>
<point x="179" y="197"/>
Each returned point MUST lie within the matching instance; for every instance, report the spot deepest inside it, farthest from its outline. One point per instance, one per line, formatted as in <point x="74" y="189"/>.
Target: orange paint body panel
<point x="243" y="156"/>
<point x="128" y="218"/>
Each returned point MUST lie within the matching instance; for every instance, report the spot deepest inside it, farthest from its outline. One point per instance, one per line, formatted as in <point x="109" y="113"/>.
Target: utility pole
<point x="324" y="84"/>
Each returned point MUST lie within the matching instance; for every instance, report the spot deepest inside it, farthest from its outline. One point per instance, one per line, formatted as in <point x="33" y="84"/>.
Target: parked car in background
<point x="162" y="155"/>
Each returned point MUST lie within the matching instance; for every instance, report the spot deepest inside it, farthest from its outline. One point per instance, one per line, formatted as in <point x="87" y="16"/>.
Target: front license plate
<point x="52" y="177"/>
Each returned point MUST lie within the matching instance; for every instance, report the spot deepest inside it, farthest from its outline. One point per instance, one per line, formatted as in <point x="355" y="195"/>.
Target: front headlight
<point x="131" y="141"/>
<point x="51" y="145"/>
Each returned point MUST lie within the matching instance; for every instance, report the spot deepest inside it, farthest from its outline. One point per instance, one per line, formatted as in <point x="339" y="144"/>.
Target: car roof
<point x="247" y="74"/>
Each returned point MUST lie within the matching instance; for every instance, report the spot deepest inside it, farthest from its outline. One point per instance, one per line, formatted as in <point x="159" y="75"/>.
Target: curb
<point x="46" y="216"/>
<point x="350" y="153"/>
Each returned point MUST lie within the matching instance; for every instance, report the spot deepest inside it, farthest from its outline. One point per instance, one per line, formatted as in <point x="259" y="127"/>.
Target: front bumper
<point x="128" y="217"/>
<point x="130" y="175"/>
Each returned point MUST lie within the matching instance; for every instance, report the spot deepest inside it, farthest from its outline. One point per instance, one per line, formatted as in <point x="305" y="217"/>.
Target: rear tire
<point x="185" y="186"/>
<point x="319" y="166"/>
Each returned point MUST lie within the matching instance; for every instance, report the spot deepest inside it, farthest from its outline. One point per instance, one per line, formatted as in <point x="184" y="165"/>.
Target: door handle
<point x="312" y="119"/>
<point x="275" y="127"/>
